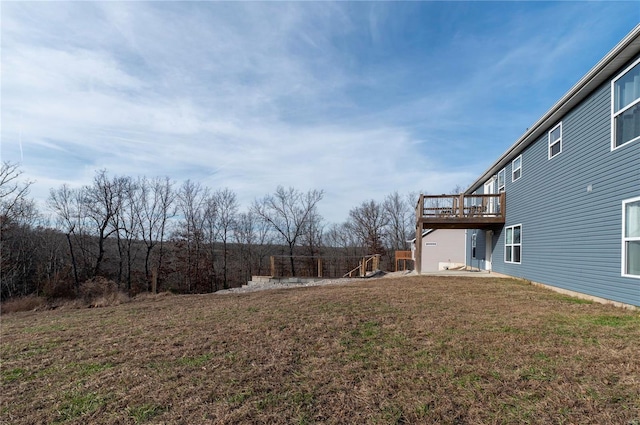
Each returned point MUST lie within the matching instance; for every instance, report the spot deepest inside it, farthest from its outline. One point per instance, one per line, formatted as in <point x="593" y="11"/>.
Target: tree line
<point x="153" y="234"/>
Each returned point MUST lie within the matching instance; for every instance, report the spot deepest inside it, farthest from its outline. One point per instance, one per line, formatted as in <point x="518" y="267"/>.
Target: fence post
<point x="273" y="266"/>
<point x="319" y="267"/>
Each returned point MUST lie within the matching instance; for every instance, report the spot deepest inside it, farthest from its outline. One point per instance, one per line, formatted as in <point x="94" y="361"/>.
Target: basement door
<point x="488" y="252"/>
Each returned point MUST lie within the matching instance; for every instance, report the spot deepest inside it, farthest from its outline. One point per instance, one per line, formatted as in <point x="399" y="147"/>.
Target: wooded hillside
<point x="153" y="234"/>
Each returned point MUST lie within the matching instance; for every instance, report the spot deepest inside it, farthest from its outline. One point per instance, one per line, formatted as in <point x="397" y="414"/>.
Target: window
<point x="501" y="175"/>
<point x="516" y="168"/>
<point x="555" y="141"/>
<point x="631" y="237"/>
<point x="513" y="244"/>
<point x="625" y="107"/>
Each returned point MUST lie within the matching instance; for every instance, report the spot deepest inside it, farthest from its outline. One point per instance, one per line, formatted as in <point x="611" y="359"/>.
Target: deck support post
<point x="418" y="251"/>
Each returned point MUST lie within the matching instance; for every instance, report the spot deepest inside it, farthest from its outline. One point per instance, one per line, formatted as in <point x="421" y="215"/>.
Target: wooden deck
<point x="460" y="211"/>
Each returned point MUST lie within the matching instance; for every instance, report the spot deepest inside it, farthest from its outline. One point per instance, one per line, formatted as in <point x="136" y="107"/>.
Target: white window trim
<point x="512" y="244"/>
<point x="504" y="179"/>
<point x="514" y="169"/>
<point x="557" y="141"/>
<point x="491" y="183"/>
<point x="623" y="262"/>
<point x="614" y="114"/>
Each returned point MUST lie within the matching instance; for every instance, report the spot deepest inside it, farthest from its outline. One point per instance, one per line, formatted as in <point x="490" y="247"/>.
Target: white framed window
<point x="631" y="237"/>
<point x="625" y="106"/>
<point x="501" y="177"/>
<point x="513" y="244"/>
<point x="555" y="140"/>
<point x="516" y="168"/>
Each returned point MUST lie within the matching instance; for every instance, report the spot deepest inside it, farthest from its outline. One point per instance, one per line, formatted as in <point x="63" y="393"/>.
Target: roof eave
<point x="623" y="52"/>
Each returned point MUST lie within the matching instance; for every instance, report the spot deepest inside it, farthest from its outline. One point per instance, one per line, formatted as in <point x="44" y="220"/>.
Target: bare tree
<point x="19" y="245"/>
<point x="253" y="236"/>
<point x="457" y="189"/>
<point x="13" y="194"/>
<point x="289" y="212"/>
<point x="192" y="198"/>
<point x="227" y="206"/>
<point x="245" y="236"/>
<point x="334" y="236"/>
<point x="128" y="227"/>
<point x="342" y="236"/>
<point x="311" y="241"/>
<point x="53" y="263"/>
<point x="68" y="206"/>
<point x="157" y="207"/>
<point x="368" y="223"/>
<point x="212" y="236"/>
<point x="103" y="200"/>
<point x="400" y="217"/>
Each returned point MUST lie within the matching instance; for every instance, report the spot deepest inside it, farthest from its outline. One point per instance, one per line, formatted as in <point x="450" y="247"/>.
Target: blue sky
<point x="358" y="99"/>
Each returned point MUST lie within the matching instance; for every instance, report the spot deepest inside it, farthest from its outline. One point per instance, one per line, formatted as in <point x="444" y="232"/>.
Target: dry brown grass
<point x="411" y="350"/>
<point x="97" y="292"/>
<point x="28" y="303"/>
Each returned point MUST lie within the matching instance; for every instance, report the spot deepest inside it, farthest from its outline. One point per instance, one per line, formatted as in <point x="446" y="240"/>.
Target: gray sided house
<point x="561" y="206"/>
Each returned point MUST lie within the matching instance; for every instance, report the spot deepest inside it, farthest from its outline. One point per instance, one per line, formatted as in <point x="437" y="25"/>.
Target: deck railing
<point x="323" y="267"/>
<point x="401" y="259"/>
<point x="369" y="264"/>
<point x="458" y="211"/>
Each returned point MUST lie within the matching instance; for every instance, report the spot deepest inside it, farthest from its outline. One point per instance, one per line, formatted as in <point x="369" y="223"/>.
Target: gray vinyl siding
<point x="571" y="238"/>
<point x="479" y="260"/>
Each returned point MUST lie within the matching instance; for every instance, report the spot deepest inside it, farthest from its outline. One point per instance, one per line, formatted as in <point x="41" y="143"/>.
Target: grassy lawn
<point x="410" y="350"/>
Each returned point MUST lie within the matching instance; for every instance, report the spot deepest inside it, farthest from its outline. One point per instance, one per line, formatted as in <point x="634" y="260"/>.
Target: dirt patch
<point x="409" y="350"/>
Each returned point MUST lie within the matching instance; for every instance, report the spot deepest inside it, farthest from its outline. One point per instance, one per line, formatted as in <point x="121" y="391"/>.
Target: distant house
<point x="441" y="249"/>
<point x="561" y="206"/>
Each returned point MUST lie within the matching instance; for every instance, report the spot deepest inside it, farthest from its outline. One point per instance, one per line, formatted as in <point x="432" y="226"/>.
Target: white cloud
<point x="255" y="95"/>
